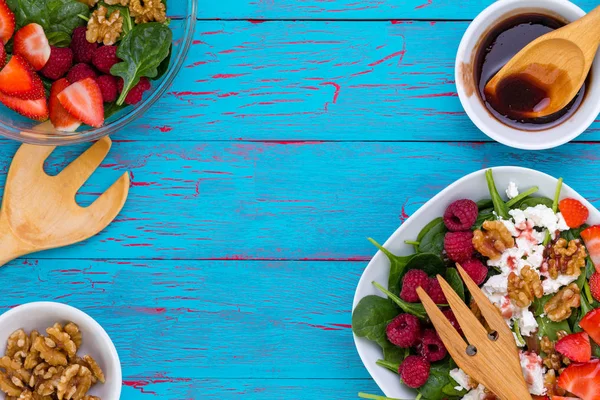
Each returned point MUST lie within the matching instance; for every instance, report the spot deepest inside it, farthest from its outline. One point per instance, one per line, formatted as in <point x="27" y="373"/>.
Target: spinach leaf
<point x="485" y="203"/>
<point x="486" y="214"/>
<point x="415" y="309"/>
<point x="573" y="233"/>
<point x="589" y="268"/>
<point x="534" y="201"/>
<point x="431" y="263"/>
<point x="142" y="51"/>
<point x="371" y="316"/>
<point x="549" y="328"/>
<point x="454" y="279"/>
<point x="521" y="196"/>
<point x="112" y="108"/>
<point x="431" y="237"/>
<point x="499" y="205"/>
<point x="439" y="378"/>
<point x="52" y="15"/>
<point x="585" y="308"/>
<point x="538" y="304"/>
<point x="164" y="65"/>
<point x="395" y="354"/>
<point x="397" y="266"/>
<point x="59" y="39"/>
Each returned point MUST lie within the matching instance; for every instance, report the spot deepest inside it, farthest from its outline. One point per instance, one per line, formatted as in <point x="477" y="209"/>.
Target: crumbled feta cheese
<point x="518" y="216"/>
<point x="562" y="224"/>
<point x="553" y="285"/>
<point x="527" y="323"/>
<point x="461" y="378"/>
<point x="512" y="190"/>
<point x="533" y="371"/>
<point x="476" y="394"/>
<point x="510" y="226"/>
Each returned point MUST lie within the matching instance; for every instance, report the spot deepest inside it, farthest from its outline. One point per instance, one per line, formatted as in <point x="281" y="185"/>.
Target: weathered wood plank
<point x="349" y="9"/>
<point x="316" y="81"/>
<point x="241" y="200"/>
<point x="187" y="320"/>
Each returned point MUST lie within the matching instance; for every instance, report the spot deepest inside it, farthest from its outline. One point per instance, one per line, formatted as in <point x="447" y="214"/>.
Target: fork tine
<point x="80" y="170"/>
<point x="109" y="204"/>
<point x="454" y="343"/>
<point x="489" y="311"/>
<point x="470" y="325"/>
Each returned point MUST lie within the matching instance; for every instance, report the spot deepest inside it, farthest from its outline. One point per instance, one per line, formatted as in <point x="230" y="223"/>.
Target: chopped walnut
<point x="558" y="308"/>
<point x="62" y="339"/>
<point x="96" y="370"/>
<point x="104" y="29"/>
<point x="148" y="11"/>
<point x="33" y="357"/>
<point x="18" y="341"/>
<point x="524" y="288"/>
<point x="45" y="379"/>
<point x="551" y="358"/>
<point x="117" y="2"/>
<point x="493" y="240"/>
<point x="551" y="385"/>
<point x="74" y="383"/>
<point x="89" y="3"/>
<point x="49" y="352"/>
<point x="75" y="334"/>
<point x="477" y="312"/>
<point x="566" y="258"/>
<point x="88" y="397"/>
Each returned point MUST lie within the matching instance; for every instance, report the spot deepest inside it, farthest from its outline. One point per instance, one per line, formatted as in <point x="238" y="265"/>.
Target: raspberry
<point x="432" y="347"/>
<point x="82" y="49"/>
<point x="59" y="63"/>
<point x="411" y="281"/>
<point x="475" y="269"/>
<point x="108" y="87"/>
<point x="415" y="371"/>
<point x="105" y="57"/>
<point x="458" y="245"/>
<point x="595" y="285"/>
<point x="80" y="72"/>
<point x="461" y="215"/>
<point x="404" y="330"/>
<point x="435" y="292"/>
<point x="135" y="95"/>
<point x="452" y="318"/>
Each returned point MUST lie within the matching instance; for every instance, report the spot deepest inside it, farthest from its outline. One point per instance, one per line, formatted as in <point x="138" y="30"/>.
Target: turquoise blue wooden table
<point x="296" y="129"/>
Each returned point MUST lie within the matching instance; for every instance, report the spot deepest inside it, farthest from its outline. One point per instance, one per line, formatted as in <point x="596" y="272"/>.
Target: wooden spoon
<point x="39" y="211"/>
<point x="547" y="73"/>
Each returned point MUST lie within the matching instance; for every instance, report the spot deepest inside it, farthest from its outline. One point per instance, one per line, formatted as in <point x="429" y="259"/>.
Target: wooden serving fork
<point x="491" y="358"/>
<point x="39" y="211"/>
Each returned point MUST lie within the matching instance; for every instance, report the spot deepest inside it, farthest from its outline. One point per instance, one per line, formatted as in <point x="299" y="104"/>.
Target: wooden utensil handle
<point x="10" y="246"/>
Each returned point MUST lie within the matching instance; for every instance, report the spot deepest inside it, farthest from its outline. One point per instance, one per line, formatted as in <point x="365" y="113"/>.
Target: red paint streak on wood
<point x="322" y="327"/>
<point x="396" y="54"/>
<point x="400" y="22"/>
<point x="182" y="94"/>
<point x="347" y="326"/>
<point x="427" y="96"/>
<point x="212" y="32"/>
<point x="227" y="76"/>
<point x="138" y="245"/>
<point x="362" y="72"/>
<point x="133" y="183"/>
<point x="151" y="310"/>
<point x="228" y="94"/>
<point x="256" y="21"/>
<point x="429" y="2"/>
<point x="227" y="51"/>
<point x="198" y="42"/>
<point x="164" y="129"/>
<point x="403" y="215"/>
<point x="335" y="94"/>
<point x="139" y="385"/>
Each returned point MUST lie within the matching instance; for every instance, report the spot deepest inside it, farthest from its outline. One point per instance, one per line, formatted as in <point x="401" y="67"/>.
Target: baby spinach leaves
<point x="370" y="318"/>
<point x="394" y="354"/>
<point x="142" y="51"/>
<point x="431" y="237"/>
<point x="521" y="196"/>
<point x="437" y="386"/>
<point x="397" y="266"/>
<point x="486" y="214"/>
<point x="499" y="205"/>
<point x="534" y="201"/>
<point x="55" y="16"/>
<point x="431" y="263"/>
<point x="550" y="328"/>
<point x="484" y="203"/>
<point x="415" y="309"/>
<point x="455" y="281"/>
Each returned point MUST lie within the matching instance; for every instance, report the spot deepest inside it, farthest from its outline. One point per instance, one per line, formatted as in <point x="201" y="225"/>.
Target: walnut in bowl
<point x="59" y="351"/>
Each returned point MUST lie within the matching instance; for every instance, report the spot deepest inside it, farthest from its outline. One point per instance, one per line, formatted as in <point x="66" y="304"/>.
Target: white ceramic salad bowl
<point x="472" y="186"/>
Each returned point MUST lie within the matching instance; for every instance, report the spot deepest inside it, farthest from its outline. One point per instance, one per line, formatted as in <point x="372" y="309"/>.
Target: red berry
<point x="452" y="318"/>
<point x="411" y="281"/>
<point x="576" y="347"/>
<point x="34" y="109"/>
<point x="80" y="72"/>
<point x="108" y="87"/>
<point x="59" y="63"/>
<point x="31" y="43"/>
<point x="105" y="57"/>
<point x="83" y="50"/>
<point x="60" y="118"/>
<point x="83" y="100"/>
<point x="583" y="380"/>
<point x="7" y="22"/>
<point x="461" y="215"/>
<point x="2" y="55"/>
<point x="415" y="371"/>
<point x="404" y="330"/>
<point x="435" y="292"/>
<point x="432" y="348"/>
<point x="19" y="80"/>
<point x="459" y="245"/>
<point x="475" y="269"/>
<point x="137" y="92"/>
<point x="595" y="285"/>
<point x="591" y="237"/>
<point x="574" y="212"/>
<point x="591" y="324"/>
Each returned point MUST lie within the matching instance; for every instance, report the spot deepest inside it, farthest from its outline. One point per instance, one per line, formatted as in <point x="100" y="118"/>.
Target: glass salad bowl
<point x="182" y="15"/>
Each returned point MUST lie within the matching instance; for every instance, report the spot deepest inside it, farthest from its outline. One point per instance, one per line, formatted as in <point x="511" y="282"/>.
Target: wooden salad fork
<point x="39" y="211"/>
<point x="491" y="358"/>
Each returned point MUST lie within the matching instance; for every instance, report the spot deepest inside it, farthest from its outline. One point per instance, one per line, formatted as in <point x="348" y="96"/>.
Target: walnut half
<point x="524" y="288"/>
<point x="558" y="308"/>
<point x="493" y="240"/>
<point x="103" y="28"/>
<point x="566" y="258"/>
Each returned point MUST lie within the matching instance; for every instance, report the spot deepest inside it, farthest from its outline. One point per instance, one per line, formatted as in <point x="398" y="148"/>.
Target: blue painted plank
<point x="316" y="81"/>
<point x="180" y="320"/>
<point x="241" y="200"/>
<point x="349" y="9"/>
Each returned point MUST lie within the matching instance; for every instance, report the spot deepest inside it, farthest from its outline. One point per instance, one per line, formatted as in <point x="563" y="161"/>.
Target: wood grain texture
<point x="349" y="9"/>
<point x="316" y="81"/>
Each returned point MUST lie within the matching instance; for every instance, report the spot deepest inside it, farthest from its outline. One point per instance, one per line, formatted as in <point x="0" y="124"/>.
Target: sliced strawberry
<point x="34" y="109"/>
<point x="31" y="43"/>
<point x="18" y="79"/>
<point x="595" y="285"/>
<point x="2" y="55"/>
<point x="574" y="212"/>
<point x="576" y="347"/>
<point x="591" y="324"/>
<point x="591" y="237"/>
<point x="61" y="119"/>
<point x="555" y="397"/>
<point x="83" y="100"/>
<point x="7" y="22"/>
<point x="583" y="380"/>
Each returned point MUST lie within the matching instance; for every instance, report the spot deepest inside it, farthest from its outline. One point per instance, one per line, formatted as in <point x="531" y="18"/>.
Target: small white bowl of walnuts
<point x="52" y="351"/>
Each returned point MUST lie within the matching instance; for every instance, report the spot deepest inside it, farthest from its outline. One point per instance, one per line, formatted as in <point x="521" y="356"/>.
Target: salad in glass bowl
<point x="534" y="257"/>
<point x="76" y="70"/>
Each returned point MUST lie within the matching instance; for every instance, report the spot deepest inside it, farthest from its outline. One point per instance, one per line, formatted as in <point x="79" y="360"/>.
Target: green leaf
<point x="573" y="233"/>
<point x="59" y="39"/>
<point x="521" y="196"/>
<point x="549" y="328"/>
<point x="431" y="263"/>
<point x="164" y="65"/>
<point x="486" y="214"/>
<point x="397" y="266"/>
<point x="371" y="316"/>
<point x="52" y="15"/>
<point x="415" y="309"/>
<point x="534" y="201"/>
<point x="112" y="108"/>
<point x="454" y="279"/>
<point x="557" y="194"/>
<point x="538" y="304"/>
<point x="142" y="51"/>
<point x="395" y="354"/>
<point x="392" y="366"/>
<point x="431" y="237"/>
<point x="485" y="203"/>
<point x="439" y="378"/>
<point x="589" y="268"/>
<point x="374" y="396"/>
<point x="499" y="205"/>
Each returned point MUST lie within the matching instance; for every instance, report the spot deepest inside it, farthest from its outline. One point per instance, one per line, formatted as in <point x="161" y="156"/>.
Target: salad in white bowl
<point x="534" y="250"/>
